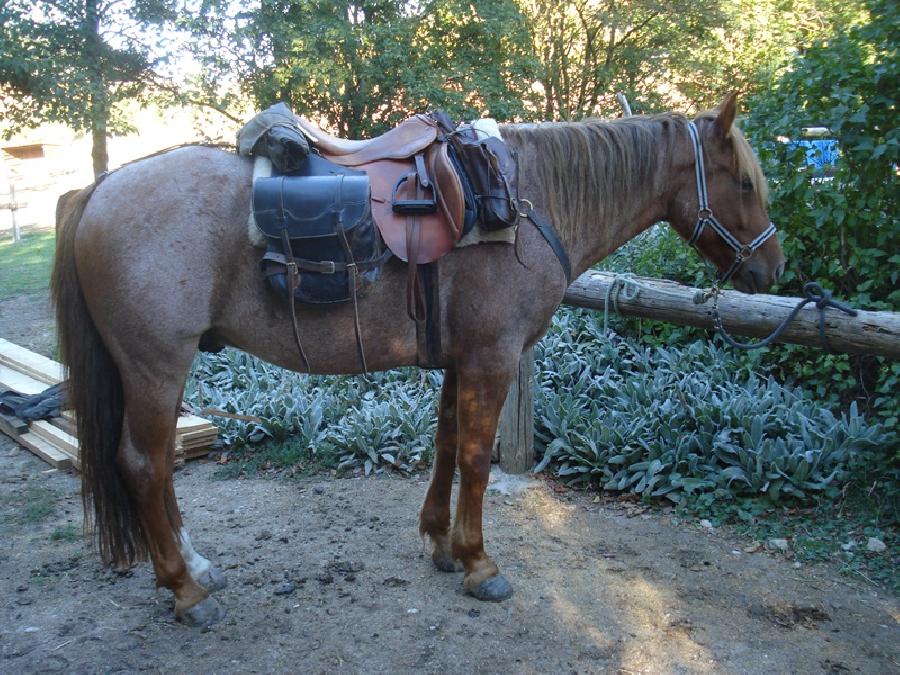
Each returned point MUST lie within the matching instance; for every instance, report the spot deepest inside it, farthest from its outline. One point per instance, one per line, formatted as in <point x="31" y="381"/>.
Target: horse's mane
<point x="618" y="159"/>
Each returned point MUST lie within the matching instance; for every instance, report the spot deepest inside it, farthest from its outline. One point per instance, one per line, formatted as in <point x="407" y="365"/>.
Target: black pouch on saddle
<point x="491" y="170"/>
<point x="323" y="225"/>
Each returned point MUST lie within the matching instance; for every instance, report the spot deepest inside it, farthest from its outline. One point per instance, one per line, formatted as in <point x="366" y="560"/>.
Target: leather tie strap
<point x="548" y="233"/>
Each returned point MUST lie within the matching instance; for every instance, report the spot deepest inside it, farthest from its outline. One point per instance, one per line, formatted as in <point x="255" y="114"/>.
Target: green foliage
<point x="839" y="229"/>
<point x="383" y="421"/>
<point x="25" y="266"/>
<point x="658" y="422"/>
<point x="66" y="533"/>
<point x="72" y="61"/>
<point x="831" y="530"/>
<point x="364" y="66"/>
<point x="29" y="506"/>
<point x="677" y="421"/>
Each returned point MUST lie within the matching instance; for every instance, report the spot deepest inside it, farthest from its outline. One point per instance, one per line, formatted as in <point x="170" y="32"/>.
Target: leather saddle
<point x="418" y="199"/>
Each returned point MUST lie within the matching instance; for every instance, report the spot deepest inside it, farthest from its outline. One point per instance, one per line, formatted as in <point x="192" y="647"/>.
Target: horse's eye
<point x="746" y="185"/>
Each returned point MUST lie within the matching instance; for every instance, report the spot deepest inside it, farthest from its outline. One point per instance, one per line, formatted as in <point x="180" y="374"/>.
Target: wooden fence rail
<point x="743" y="315"/>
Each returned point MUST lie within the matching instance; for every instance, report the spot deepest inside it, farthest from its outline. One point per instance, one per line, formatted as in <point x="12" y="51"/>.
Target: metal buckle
<point x="530" y="207"/>
<point x="704" y="213"/>
<point x="744" y="252"/>
<point x="330" y="266"/>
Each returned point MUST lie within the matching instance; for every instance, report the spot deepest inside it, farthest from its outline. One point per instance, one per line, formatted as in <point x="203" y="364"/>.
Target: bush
<point x="841" y="230"/>
<point x="672" y="422"/>
<point x="654" y="421"/>
<point x="385" y="419"/>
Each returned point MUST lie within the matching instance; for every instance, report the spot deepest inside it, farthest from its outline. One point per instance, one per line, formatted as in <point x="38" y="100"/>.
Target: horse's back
<point x="157" y="238"/>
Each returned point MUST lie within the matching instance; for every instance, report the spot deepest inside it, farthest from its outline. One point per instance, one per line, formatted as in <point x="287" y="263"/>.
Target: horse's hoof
<point x="446" y="563"/>
<point x="212" y="579"/>
<point x="204" y="613"/>
<point x="492" y="589"/>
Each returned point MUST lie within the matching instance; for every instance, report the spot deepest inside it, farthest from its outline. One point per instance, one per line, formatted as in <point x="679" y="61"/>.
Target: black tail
<point x="95" y="394"/>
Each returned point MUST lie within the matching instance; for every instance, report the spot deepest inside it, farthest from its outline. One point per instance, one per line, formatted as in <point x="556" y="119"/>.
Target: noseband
<point x="705" y="216"/>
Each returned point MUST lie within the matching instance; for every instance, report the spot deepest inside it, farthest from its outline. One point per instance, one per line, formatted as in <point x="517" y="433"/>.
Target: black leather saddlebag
<point x="322" y="224"/>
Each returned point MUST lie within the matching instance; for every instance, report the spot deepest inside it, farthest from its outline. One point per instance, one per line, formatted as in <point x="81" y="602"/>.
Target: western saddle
<point x="430" y="182"/>
<point x="417" y="195"/>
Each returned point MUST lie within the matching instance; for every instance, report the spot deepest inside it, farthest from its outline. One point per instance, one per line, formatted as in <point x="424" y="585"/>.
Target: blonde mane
<point x="621" y="160"/>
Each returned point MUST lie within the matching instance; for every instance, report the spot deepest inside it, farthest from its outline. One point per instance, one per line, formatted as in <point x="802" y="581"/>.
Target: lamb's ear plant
<point x="382" y="421"/>
<point x="672" y="422"/>
<point x="660" y="422"/>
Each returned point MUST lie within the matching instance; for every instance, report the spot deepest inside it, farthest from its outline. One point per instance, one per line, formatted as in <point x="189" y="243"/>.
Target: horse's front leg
<point x="480" y="396"/>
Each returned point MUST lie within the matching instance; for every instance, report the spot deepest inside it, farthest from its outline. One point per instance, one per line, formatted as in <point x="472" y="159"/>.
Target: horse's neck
<point x="588" y="242"/>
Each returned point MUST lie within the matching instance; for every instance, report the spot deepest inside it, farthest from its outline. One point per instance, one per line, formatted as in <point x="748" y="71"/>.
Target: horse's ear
<point x="725" y="118"/>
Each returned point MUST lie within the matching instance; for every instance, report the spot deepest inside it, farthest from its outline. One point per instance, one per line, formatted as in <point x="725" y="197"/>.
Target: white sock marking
<point x="195" y="562"/>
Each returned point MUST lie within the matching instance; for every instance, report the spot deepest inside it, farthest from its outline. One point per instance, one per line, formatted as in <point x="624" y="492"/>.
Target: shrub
<point x="380" y="420"/>
<point x="671" y="422"/>
<point x="841" y="230"/>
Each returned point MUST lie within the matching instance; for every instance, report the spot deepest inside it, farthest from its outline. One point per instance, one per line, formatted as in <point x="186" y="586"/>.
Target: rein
<point x="706" y="218"/>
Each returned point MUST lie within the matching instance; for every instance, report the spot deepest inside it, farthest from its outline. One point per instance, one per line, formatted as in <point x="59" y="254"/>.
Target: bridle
<point x="705" y="216"/>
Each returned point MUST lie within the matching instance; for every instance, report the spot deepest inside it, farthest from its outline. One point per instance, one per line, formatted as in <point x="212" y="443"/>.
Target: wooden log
<point x="746" y="315"/>
<point x="515" y="445"/>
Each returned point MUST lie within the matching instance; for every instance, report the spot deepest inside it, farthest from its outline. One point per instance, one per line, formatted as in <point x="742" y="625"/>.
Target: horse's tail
<point x="95" y="394"/>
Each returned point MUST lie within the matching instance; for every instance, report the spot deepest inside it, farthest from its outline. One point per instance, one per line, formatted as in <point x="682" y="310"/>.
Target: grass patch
<point x="66" y="533"/>
<point x="836" y="532"/>
<point x="30" y="506"/>
<point x="284" y="458"/>
<point x="25" y="266"/>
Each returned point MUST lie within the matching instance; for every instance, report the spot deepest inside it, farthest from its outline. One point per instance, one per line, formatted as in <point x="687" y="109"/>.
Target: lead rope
<point x="812" y="291"/>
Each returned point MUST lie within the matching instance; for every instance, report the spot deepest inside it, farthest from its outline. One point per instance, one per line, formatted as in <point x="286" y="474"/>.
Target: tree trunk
<point x="99" y="104"/>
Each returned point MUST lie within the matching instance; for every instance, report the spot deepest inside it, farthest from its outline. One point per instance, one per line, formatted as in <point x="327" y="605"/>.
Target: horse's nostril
<point x="779" y="271"/>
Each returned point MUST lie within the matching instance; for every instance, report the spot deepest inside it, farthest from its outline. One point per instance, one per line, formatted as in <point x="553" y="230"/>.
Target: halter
<point x="705" y="216"/>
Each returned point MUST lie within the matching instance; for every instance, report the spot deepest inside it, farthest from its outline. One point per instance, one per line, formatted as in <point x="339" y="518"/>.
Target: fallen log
<point x="742" y="314"/>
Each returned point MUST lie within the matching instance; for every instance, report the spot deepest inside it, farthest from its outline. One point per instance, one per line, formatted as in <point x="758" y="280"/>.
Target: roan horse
<point x="155" y="261"/>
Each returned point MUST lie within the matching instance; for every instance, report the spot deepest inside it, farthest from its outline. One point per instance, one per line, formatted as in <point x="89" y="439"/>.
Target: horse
<point x="154" y="261"/>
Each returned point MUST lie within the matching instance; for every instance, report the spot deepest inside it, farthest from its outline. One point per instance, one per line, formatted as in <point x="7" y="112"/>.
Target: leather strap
<point x="293" y="282"/>
<point x="325" y="266"/>
<point x="415" y="302"/>
<point x="547" y="232"/>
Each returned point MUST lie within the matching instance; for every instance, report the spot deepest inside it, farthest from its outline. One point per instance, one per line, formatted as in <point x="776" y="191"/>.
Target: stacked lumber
<point x="55" y="441"/>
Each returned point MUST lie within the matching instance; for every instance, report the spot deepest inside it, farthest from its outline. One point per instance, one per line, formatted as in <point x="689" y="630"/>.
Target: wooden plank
<point x="196" y="442"/>
<point x="11" y="425"/>
<point x="192" y="422"/>
<point x="46" y="451"/>
<point x="747" y="315"/>
<point x="13" y="379"/>
<point x="64" y="424"/>
<point x="516" y="427"/>
<point x="32" y="364"/>
<point x="65" y="442"/>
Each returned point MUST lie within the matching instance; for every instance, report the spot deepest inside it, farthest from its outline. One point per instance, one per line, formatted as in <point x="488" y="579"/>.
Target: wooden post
<point x="515" y="445"/>
<point x="17" y="236"/>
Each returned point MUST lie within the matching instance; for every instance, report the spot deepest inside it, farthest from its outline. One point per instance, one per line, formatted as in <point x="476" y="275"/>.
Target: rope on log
<point x="749" y="315"/>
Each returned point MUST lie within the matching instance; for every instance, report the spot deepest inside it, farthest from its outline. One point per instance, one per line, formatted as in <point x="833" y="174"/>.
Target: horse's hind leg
<point x="434" y="519"/>
<point x="202" y="570"/>
<point x="145" y="460"/>
<point x="480" y="396"/>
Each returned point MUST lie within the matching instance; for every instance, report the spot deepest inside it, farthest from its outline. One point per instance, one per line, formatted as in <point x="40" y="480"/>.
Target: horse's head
<point x="720" y="202"/>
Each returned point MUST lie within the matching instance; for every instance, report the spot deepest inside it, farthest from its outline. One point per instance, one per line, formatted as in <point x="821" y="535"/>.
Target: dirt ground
<point x="598" y="588"/>
<point x="329" y="575"/>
